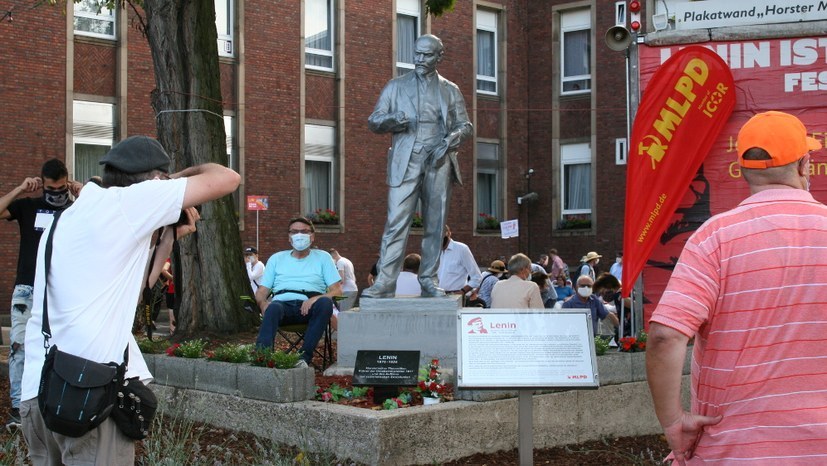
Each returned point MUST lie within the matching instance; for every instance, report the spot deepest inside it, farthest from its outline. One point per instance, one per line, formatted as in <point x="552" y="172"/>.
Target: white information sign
<point x="510" y="228"/>
<point x="521" y="348"/>
<point x="725" y="13"/>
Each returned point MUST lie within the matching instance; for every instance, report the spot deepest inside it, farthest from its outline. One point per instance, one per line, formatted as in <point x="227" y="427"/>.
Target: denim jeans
<point x="21" y="311"/>
<point x="289" y="313"/>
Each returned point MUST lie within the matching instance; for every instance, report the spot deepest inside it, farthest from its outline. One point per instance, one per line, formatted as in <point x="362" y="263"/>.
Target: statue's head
<point x="428" y="52"/>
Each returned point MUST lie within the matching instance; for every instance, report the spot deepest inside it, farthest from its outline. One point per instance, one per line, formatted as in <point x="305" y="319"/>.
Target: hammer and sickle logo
<point x="656" y="150"/>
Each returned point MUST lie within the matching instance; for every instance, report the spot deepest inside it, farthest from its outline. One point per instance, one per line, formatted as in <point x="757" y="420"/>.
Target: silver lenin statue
<point x="426" y="115"/>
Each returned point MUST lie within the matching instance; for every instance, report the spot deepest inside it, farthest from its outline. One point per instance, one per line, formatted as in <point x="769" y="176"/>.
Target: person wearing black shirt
<point x="33" y="215"/>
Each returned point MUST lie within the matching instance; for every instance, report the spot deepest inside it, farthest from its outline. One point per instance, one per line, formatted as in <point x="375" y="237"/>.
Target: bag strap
<point x="177" y="280"/>
<point x="45" y="329"/>
<point x="147" y="293"/>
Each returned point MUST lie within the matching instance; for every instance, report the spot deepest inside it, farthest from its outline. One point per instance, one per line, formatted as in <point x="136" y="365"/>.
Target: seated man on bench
<point x="304" y="282"/>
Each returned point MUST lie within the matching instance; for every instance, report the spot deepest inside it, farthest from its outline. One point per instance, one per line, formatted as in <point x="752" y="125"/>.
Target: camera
<point x="182" y="219"/>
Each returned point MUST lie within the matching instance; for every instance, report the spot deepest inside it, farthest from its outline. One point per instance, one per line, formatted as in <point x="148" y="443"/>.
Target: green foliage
<point x="416" y="222"/>
<point x="176" y="440"/>
<point x="274" y="359"/>
<point x="152" y="346"/>
<point x="642" y="336"/>
<point x="487" y="222"/>
<point x="191" y="349"/>
<point x="231" y="352"/>
<point x="400" y="401"/>
<point x="324" y="217"/>
<point x="335" y="393"/>
<point x="575" y="222"/>
<point x="601" y="345"/>
<point x="13" y="450"/>
<point x="439" y="7"/>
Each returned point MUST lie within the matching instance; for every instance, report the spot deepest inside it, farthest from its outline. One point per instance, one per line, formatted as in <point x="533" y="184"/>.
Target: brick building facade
<point x="299" y="80"/>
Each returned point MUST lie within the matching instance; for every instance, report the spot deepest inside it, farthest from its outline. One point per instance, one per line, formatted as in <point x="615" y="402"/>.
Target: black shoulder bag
<point x="75" y="395"/>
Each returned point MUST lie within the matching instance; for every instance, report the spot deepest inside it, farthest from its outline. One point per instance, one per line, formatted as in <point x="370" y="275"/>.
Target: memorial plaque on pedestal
<point x="386" y="368"/>
<point x="386" y="371"/>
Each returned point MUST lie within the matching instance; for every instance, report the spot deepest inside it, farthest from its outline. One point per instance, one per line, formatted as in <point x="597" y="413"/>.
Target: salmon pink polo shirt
<point x="751" y="287"/>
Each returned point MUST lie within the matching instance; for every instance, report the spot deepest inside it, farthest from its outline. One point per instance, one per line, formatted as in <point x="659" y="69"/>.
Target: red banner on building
<point x="686" y="104"/>
<point x="785" y="74"/>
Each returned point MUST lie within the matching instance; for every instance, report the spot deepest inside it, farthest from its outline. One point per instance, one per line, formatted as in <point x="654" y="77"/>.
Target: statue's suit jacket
<point x="400" y="94"/>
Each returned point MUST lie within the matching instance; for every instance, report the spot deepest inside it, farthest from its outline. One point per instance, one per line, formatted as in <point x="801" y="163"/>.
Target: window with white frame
<point x="224" y="26"/>
<point x="93" y="133"/>
<point x="487" y="52"/>
<point x="318" y="33"/>
<point x="576" y="179"/>
<point x="488" y="181"/>
<point x="575" y="43"/>
<point x="232" y="156"/>
<point x="94" y="20"/>
<point x="229" y="132"/>
<point x="407" y="31"/>
<point x="319" y="168"/>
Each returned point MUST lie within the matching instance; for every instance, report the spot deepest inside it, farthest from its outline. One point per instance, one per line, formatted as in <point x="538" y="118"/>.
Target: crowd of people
<point x="516" y="283"/>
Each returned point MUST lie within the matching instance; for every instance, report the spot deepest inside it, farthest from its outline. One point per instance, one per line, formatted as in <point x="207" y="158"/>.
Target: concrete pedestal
<point x="428" y="325"/>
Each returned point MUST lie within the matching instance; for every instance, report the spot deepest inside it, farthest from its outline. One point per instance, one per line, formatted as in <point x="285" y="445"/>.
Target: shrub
<point x="231" y="352"/>
<point x="188" y="349"/>
<point x="152" y="346"/>
<point x="487" y="222"/>
<point x="275" y="359"/>
<point x="601" y="345"/>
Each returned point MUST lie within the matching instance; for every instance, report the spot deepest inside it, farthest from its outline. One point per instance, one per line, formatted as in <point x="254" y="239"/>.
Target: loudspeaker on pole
<point x="618" y="38"/>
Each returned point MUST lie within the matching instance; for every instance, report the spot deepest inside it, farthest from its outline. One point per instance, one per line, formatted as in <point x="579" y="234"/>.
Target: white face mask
<point x="300" y="241"/>
<point x="584" y="291"/>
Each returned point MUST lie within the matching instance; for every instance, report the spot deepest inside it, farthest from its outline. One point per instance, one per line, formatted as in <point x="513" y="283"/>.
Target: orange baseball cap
<point x="782" y="135"/>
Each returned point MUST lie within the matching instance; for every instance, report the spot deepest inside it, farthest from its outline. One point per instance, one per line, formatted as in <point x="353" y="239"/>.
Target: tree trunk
<point x="183" y="41"/>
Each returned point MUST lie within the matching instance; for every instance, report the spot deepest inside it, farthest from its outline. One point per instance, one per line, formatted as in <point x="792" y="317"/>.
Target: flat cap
<point x="137" y="154"/>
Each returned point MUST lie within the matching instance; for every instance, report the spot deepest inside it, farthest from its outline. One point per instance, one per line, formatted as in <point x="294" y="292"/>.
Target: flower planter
<point x="430" y="401"/>
<point x="175" y="371"/>
<point x="244" y="380"/>
<point x="276" y="385"/>
<point x="216" y="376"/>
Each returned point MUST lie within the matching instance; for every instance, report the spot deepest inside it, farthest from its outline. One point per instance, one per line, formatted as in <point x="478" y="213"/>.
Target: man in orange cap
<point x="750" y="288"/>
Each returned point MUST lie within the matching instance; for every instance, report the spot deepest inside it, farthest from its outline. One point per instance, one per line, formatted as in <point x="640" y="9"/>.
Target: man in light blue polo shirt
<point x="304" y="282"/>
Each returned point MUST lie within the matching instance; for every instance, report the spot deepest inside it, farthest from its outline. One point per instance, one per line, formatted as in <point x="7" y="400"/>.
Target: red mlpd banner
<point x="684" y="108"/>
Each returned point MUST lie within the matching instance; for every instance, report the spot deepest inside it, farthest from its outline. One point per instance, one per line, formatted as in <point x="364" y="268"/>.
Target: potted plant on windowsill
<point x="575" y="222"/>
<point x="487" y="222"/>
<point x="324" y="217"/>
<point x="416" y="221"/>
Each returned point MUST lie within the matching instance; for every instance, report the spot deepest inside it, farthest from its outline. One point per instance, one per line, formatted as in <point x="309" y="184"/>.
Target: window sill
<point x="487" y="232"/>
<point x="487" y="97"/>
<point x="573" y="232"/>
<point x="328" y="228"/>
<point x="83" y="39"/>
<point x="575" y="97"/>
<point x="318" y="72"/>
